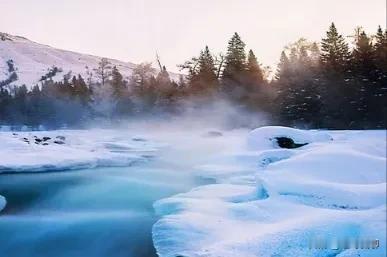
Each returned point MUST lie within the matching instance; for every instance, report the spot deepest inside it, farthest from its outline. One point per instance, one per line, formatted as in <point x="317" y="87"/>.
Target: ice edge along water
<point x="273" y="202"/>
<point x="267" y="201"/>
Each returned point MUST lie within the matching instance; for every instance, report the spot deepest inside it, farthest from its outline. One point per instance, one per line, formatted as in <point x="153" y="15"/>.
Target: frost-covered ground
<point x="70" y="149"/>
<point x="273" y="202"/>
<point x="267" y="200"/>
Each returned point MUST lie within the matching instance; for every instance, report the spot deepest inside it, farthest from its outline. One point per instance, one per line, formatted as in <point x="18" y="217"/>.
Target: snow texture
<point x="274" y="202"/>
<point x="21" y="152"/>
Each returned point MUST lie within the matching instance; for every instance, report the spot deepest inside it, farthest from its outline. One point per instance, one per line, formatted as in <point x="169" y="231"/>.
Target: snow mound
<point x="265" y="137"/>
<point x="3" y="202"/>
<point x="330" y="189"/>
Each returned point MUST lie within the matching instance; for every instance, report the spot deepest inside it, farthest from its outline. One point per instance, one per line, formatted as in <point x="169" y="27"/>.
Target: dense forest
<point x="330" y="84"/>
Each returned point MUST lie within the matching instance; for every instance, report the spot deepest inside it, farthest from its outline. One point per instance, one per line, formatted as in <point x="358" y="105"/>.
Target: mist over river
<point x="102" y="211"/>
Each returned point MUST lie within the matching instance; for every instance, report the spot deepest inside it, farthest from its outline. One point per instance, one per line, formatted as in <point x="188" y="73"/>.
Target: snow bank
<point x="3" y="202"/>
<point x="21" y="152"/>
<point x="264" y="137"/>
<point x="334" y="188"/>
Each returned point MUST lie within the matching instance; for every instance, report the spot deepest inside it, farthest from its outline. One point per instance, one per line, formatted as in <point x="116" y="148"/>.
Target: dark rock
<point x="213" y="134"/>
<point x="139" y="139"/>
<point x="46" y="138"/>
<point x="45" y="144"/>
<point x="38" y="140"/>
<point x="58" y="142"/>
<point x="285" y="142"/>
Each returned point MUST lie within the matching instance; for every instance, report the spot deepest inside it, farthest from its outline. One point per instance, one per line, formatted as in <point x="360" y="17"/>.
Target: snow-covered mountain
<point x="23" y="61"/>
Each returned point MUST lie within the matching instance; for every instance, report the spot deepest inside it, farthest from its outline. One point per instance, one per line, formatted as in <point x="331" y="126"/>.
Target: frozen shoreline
<point x="273" y="202"/>
<point x="79" y="149"/>
<point x="266" y="201"/>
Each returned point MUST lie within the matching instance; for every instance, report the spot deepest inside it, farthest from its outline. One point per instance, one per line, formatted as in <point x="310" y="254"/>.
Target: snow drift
<point x="333" y="187"/>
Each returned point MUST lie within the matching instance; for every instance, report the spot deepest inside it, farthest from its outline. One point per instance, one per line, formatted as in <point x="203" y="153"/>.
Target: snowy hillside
<point x="31" y="61"/>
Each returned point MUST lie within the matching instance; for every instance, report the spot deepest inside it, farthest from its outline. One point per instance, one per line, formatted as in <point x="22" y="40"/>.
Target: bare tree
<point x="219" y="63"/>
<point x="191" y="66"/>
<point x="142" y="72"/>
<point x="103" y="71"/>
<point x="159" y="62"/>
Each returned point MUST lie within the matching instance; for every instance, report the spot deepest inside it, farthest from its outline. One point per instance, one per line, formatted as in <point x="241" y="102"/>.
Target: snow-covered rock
<point x="331" y="189"/>
<point x="3" y="202"/>
<point x="264" y="137"/>
<point x="20" y="152"/>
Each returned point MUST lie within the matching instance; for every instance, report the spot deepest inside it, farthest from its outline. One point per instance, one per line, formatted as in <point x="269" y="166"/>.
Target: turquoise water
<point x="86" y="213"/>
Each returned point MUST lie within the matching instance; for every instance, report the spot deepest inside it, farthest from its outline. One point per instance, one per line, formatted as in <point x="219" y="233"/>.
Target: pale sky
<point x="133" y="30"/>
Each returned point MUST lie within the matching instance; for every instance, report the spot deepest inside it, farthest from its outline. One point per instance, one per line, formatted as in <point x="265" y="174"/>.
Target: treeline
<point x="333" y="86"/>
<point x="317" y="85"/>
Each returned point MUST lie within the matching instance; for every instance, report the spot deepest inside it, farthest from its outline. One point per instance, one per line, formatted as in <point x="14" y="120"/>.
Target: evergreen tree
<point x="283" y="69"/>
<point x="118" y="84"/>
<point x="378" y="99"/>
<point x="5" y="103"/>
<point x="335" y="83"/>
<point x="35" y="109"/>
<point x="334" y="51"/>
<point x="315" y="54"/>
<point x="206" y="73"/>
<point x="20" y="106"/>
<point x="380" y="48"/>
<point x="235" y="62"/>
<point x="298" y="97"/>
<point x="81" y="90"/>
<point x="253" y="69"/>
<point x="202" y="77"/>
<point x="363" y="55"/>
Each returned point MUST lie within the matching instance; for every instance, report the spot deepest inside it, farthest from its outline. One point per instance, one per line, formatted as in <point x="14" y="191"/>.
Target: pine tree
<point x="235" y="61"/>
<point x="334" y="51"/>
<point x="363" y="55"/>
<point x="81" y="90"/>
<point x="257" y="93"/>
<point x="253" y="69"/>
<point x="204" y="79"/>
<point x="117" y="82"/>
<point x="207" y="68"/>
<point x="304" y="59"/>
<point x="5" y="102"/>
<point x="336" y="81"/>
<point x="315" y="54"/>
<point x="283" y="68"/>
<point x="380" y="48"/>
<point x="378" y="106"/>
<point x="298" y="95"/>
